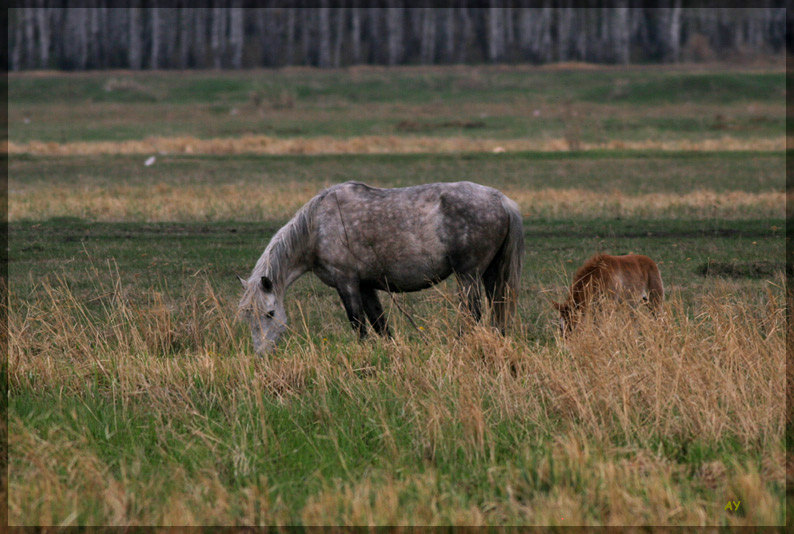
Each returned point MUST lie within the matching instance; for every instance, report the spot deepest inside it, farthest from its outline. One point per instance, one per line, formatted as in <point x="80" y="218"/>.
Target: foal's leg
<point x="655" y="293"/>
<point x="374" y="311"/>
<point x="350" y="293"/>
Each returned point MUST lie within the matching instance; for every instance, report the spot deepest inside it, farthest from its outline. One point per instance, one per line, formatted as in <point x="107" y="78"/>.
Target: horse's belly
<point x="404" y="280"/>
<point x="399" y="275"/>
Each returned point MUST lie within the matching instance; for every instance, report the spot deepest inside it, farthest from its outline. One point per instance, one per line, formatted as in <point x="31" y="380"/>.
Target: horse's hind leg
<point x="469" y="289"/>
<point x="350" y="293"/>
<point x="496" y="299"/>
<point x="374" y="311"/>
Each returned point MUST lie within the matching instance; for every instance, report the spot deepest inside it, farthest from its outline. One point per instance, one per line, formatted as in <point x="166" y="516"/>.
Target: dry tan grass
<point x="168" y="202"/>
<point x="712" y="373"/>
<point x="372" y="144"/>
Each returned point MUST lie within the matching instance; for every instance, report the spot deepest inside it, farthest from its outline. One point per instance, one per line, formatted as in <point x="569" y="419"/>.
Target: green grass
<point x="725" y="88"/>
<point x="599" y="105"/>
<point x="643" y="87"/>
<point x="628" y="172"/>
<point x="300" y="450"/>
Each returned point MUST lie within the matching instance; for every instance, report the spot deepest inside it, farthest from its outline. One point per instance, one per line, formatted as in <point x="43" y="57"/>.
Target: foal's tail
<point x="504" y="272"/>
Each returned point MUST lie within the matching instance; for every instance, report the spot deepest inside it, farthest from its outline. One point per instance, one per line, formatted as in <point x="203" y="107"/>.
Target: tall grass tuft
<point x="157" y="412"/>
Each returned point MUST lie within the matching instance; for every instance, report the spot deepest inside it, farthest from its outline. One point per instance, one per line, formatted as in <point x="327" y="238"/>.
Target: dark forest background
<point x="45" y="34"/>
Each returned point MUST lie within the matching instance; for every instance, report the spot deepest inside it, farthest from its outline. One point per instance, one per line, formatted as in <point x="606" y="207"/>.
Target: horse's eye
<point x="270" y="314"/>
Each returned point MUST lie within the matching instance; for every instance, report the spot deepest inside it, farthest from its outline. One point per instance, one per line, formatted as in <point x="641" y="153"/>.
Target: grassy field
<point x="574" y="106"/>
<point x="134" y="396"/>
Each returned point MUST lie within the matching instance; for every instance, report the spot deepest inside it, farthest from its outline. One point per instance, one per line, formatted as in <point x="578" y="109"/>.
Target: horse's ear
<point x="267" y="284"/>
<point x="242" y="281"/>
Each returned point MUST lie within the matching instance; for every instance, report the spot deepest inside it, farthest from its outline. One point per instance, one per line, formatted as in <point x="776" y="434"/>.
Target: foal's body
<point x="359" y="239"/>
<point x="630" y="278"/>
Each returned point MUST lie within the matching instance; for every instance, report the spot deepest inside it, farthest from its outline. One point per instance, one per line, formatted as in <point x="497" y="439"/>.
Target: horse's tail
<point x="504" y="272"/>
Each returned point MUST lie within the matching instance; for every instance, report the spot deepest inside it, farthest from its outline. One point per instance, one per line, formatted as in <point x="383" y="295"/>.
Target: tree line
<point x="46" y="34"/>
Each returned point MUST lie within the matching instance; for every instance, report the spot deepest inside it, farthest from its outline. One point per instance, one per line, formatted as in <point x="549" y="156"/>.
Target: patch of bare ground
<point x="371" y="144"/>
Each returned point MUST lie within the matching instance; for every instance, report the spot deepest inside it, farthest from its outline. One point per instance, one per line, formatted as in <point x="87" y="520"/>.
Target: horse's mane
<point x="291" y="238"/>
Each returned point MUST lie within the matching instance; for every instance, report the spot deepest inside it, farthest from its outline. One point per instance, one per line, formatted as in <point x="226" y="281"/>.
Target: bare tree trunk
<point x="668" y="23"/>
<point x="170" y="24"/>
<point x="428" y="35"/>
<point x="580" y="34"/>
<point x="80" y="25"/>
<point x="154" y="61"/>
<point x="735" y="22"/>
<point x="620" y="32"/>
<point x="674" y="37"/>
<point x="603" y="40"/>
<point x="564" y="24"/>
<point x="524" y="30"/>
<point x="218" y="36"/>
<point x="134" y="50"/>
<point x="185" y="15"/>
<point x="75" y="24"/>
<point x="16" y="50"/>
<point x="341" y="13"/>
<point x="115" y="34"/>
<point x="467" y="32"/>
<point x="412" y="33"/>
<point x="306" y="34"/>
<point x="495" y="32"/>
<point x="546" y="50"/>
<point x="261" y="16"/>
<point x="290" y="53"/>
<point x="510" y="30"/>
<point x="324" y="44"/>
<point x="42" y="15"/>
<point x="106" y="37"/>
<point x="777" y="26"/>
<point x="30" y="42"/>
<point x="201" y="17"/>
<point x="394" y="23"/>
<point x="236" y="35"/>
<point x="374" y="34"/>
<point x="95" y="42"/>
<point x="754" y="25"/>
<point x="449" y="34"/>
<point x="355" y="37"/>
<point x="636" y="26"/>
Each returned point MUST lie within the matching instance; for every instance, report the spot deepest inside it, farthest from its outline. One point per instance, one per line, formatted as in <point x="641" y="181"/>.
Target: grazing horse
<point x="628" y="278"/>
<point x="360" y="239"/>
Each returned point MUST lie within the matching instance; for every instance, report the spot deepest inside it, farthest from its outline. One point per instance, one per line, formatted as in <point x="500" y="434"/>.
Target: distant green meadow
<point x="593" y="105"/>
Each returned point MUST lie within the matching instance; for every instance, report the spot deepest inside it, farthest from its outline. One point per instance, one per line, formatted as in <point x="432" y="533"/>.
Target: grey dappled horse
<point x="359" y="239"/>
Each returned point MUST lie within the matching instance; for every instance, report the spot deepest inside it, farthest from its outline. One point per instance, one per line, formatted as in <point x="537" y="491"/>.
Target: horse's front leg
<point x="350" y="293"/>
<point x="374" y="311"/>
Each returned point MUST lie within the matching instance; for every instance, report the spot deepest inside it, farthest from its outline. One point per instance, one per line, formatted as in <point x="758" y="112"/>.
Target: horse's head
<point x="263" y="308"/>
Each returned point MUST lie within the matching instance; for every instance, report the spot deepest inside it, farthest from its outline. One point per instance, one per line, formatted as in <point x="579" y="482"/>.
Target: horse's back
<point x="460" y="203"/>
<point x="463" y="191"/>
<point x="410" y="236"/>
